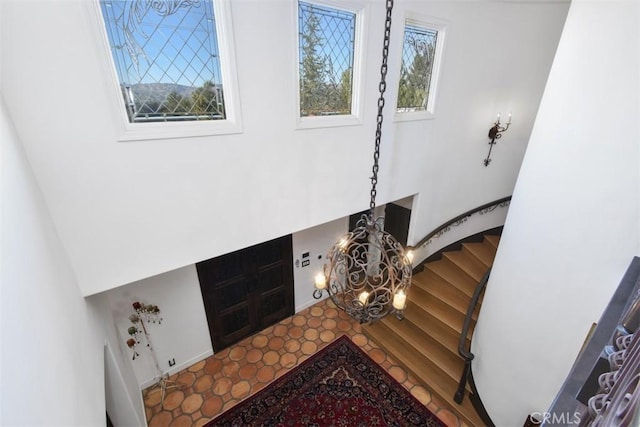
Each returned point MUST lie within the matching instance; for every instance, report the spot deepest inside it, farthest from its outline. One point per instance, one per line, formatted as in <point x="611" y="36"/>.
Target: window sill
<point x="413" y="116"/>
<point x="316" y="122"/>
<point x="168" y="130"/>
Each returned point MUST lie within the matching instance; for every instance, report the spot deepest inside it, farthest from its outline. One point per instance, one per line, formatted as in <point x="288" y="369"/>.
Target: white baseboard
<point x="309" y="303"/>
<point x="177" y="368"/>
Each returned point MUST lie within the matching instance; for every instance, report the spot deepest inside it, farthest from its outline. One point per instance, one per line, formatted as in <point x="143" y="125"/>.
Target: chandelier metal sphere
<point x="368" y="272"/>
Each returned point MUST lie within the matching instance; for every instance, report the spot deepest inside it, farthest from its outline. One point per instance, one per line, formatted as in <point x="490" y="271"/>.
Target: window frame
<point x="361" y="11"/>
<point x="433" y="24"/>
<point x="232" y="124"/>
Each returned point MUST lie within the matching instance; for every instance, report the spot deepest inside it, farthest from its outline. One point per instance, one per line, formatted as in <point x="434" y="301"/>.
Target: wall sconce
<point x="495" y="133"/>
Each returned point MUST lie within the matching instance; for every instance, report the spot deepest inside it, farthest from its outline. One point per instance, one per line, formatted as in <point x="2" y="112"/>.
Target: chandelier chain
<point x="382" y="87"/>
<point x="368" y="272"/>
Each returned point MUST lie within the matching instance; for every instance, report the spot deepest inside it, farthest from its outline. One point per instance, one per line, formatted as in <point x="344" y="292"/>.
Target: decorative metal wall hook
<point x="495" y="133"/>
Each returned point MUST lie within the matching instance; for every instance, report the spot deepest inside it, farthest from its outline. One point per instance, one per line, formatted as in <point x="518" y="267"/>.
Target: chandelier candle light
<point x="368" y="272"/>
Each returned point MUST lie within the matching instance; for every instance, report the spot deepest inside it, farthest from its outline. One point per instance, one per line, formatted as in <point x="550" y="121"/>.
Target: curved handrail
<point x="466" y="354"/>
<point x="467" y="320"/>
<point x="462" y="350"/>
<point x="437" y="230"/>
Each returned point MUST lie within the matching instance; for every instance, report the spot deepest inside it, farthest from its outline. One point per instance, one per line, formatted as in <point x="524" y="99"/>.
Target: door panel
<point x="270" y="252"/>
<point x="274" y="277"/>
<point x="270" y="279"/>
<point x="247" y="290"/>
<point x="396" y="222"/>
<point x="231" y="293"/>
<point x="235" y="324"/>
<point x="271" y="306"/>
<point x="222" y="268"/>
<point x="228" y="311"/>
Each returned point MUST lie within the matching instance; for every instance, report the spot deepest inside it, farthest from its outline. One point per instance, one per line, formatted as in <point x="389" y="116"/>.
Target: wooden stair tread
<point x="483" y="251"/>
<point x="467" y="263"/>
<point x="442" y="290"/>
<point x="447" y="315"/>
<point x="415" y="361"/>
<point x="433" y="379"/>
<point x="434" y="327"/>
<point x="426" y="341"/>
<point x="450" y="273"/>
<point x="433" y="352"/>
<point x="494" y="240"/>
<point x="442" y="316"/>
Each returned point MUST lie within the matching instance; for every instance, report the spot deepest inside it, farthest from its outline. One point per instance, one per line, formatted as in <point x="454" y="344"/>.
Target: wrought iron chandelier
<point x="368" y="272"/>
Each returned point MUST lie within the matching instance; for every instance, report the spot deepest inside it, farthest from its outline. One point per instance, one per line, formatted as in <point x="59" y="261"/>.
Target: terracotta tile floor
<point x="220" y="381"/>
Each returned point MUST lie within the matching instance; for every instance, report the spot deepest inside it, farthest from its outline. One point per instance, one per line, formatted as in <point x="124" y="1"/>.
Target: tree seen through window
<point x="418" y="56"/>
<point x="326" y="50"/>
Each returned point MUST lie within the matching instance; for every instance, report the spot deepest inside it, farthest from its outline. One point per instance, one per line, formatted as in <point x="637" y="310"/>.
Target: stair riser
<point x="455" y="363"/>
<point x="433" y="326"/>
<point x="446" y="292"/>
<point x="453" y="318"/>
<point x="426" y="341"/>
<point x="480" y="255"/>
<point x="449" y="272"/>
<point x="467" y="263"/>
<point x="492" y="240"/>
<point x="435" y="355"/>
<point x="437" y="382"/>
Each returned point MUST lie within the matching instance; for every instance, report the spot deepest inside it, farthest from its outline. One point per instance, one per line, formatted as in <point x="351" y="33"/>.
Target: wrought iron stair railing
<point x="462" y="349"/>
<point x="438" y="231"/>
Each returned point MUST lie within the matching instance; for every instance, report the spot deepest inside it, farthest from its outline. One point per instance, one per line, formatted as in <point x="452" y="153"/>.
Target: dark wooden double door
<point x="247" y="290"/>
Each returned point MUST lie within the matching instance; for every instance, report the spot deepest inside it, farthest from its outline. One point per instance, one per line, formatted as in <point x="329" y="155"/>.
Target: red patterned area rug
<point x="338" y="386"/>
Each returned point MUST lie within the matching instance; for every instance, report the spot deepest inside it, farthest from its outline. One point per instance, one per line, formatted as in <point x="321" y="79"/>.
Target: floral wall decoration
<point x="142" y="314"/>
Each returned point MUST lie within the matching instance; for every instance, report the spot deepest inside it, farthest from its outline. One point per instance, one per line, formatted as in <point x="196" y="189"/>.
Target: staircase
<point x="426" y="341"/>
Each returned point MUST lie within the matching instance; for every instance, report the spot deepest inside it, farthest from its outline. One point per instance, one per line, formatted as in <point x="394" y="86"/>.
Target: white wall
<point x="183" y="334"/>
<point x="134" y="217"/>
<point x="317" y="241"/>
<point x="572" y="228"/>
<point x="52" y="348"/>
<point x="127" y="211"/>
<point x="474" y="224"/>
<point x="122" y="389"/>
<point x="123" y="401"/>
<point x="496" y="59"/>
